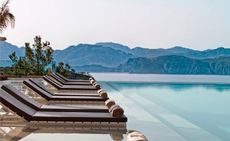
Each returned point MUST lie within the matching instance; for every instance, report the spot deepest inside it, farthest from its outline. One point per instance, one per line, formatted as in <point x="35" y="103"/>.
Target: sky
<point x="196" y="24"/>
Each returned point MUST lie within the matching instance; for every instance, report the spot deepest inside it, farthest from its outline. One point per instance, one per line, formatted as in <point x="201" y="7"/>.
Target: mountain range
<point x="113" y="57"/>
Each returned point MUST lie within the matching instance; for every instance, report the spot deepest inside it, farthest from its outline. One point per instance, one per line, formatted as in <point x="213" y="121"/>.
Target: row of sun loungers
<point x="50" y="96"/>
<point x="63" y="82"/>
<point x="31" y="110"/>
<point x="70" y="80"/>
<point x="34" y="83"/>
<point x="60" y="86"/>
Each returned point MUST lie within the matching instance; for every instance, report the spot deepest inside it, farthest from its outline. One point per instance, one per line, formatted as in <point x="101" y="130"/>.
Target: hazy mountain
<point x="171" y="64"/>
<point x="179" y="50"/>
<point x="150" y="53"/>
<point x="112" y="57"/>
<point x="210" y="53"/>
<point x="6" y="49"/>
<point x="94" y="68"/>
<point x="85" y="54"/>
<point x="115" y="46"/>
<point x="219" y="65"/>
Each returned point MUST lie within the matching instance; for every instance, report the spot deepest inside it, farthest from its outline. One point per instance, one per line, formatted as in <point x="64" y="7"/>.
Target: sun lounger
<point x="70" y="80"/>
<point x="78" y="82"/>
<point x="31" y="114"/>
<point x="69" y="83"/>
<point x="48" y="96"/>
<point x="37" y="84"/>
<point x="40" y="107"/>
<point x="59" y="86"/>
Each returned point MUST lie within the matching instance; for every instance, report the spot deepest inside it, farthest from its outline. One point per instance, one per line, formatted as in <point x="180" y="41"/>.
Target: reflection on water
<point x="24" y="132"/>
<point x="174" y="87"/>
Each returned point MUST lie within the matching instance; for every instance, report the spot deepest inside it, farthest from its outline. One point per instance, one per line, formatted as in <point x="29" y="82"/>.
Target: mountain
<point x="180" y="50"/>
<point x="171" y="64"/>
<point x="150" y="53"/>
<point x="113" y="57"/>
<point x="115" y="46"/>
<point x="219" y="65"/>
<point x="94" y="68"/>
<point x="6" y="49"/>
<point x="86" y="54"/>
<point x="210" y="53"/>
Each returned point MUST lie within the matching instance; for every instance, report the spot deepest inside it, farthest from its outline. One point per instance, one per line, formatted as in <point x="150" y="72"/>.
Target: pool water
<point x="168" y="112"/>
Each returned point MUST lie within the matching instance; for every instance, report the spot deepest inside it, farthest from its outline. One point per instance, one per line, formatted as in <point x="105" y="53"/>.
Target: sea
<point x="5" y="63"/>
<point x="162" y="107"/>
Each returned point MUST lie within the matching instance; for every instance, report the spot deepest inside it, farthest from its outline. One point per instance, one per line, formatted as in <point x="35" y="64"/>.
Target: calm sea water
<point x="5" y="63"/>
<point x="164" y="107"/>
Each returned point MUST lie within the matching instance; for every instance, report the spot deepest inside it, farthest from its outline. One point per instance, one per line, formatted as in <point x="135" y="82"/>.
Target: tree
<point x="13" y="57"/>
<point x="64" y="69"/>
<point x="6" y="17"/>
<point x="36" y="61"/>
<point x="40" y="57"/>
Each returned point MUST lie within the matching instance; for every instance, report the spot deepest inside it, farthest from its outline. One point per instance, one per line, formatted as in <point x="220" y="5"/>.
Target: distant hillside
<point x="151" y="53"/>
<point x="6" y="49"/>
<point x="85" y="54"/>
<point x="171" y="64"/>
<point x="95" y="68"/>
<point x="166" y="64"/>
<point x="210" y="53"/>
<point x="113" y="57"/>
<point x="115" y="46"/>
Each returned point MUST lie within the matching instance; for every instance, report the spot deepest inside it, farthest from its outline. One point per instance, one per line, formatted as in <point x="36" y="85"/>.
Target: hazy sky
<point x="198" y="24"/>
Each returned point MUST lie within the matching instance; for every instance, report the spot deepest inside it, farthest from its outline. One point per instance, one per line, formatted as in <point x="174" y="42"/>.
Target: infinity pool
<point x="162" y="111"/>
<point x="172" y="112"/>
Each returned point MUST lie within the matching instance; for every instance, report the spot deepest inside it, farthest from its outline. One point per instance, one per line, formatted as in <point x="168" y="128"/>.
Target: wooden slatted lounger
<point x="69" y="83"/>
<point x="70" y="80"/>
<point x="48" y="96"/>
<point x="59" y="94"/>
<point x="40" y="107"/>
<point x="59" y="86"/>
<point x="31" y="114"/>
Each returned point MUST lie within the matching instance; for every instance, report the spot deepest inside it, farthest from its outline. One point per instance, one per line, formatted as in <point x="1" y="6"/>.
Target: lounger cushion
<point x="116" y="111"/>
<point x="104" y="95"/>
<point x="109" y="103"/>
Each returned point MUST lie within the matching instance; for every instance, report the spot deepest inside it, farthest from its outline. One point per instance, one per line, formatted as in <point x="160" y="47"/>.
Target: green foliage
<point x="64" y="69"/>
<point x="36" y="60"/>
<point x="41" y="57"/>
